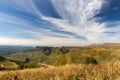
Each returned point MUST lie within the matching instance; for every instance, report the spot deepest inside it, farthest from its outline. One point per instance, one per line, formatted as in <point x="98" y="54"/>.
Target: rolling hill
<point x="66" y="55"/>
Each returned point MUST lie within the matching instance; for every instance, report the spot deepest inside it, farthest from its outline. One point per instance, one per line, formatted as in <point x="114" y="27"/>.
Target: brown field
<point x="109" y="71"/>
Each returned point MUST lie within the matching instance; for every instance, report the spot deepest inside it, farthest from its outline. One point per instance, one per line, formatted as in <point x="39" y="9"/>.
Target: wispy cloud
<point x="78" y="17"/>
<point x="55" y="22"/>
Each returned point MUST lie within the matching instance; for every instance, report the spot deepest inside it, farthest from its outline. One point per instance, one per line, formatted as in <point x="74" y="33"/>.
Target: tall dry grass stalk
<point x="109" y="71"/>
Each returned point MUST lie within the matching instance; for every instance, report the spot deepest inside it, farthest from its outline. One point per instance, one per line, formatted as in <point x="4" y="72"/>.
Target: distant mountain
<point x="56" y="50"/>
<point x="45" y="50"/>
<point x="106" y="45"/>
<point x="7" y="50"/>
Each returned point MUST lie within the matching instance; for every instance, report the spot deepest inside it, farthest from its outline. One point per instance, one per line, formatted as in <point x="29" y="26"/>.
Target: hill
<point x="6" y="64"/>
<point x="58" y="56"/>
<point x="107" y="45"/>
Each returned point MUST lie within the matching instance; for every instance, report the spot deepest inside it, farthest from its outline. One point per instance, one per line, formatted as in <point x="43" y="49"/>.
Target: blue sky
<point x="59" y="22"/>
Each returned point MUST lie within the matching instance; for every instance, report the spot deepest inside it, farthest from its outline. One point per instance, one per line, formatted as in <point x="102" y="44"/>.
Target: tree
<point x="27" y="60"/>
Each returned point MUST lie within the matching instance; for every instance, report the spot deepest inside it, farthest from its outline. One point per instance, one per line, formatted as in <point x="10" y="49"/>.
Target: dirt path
<point x="49" y="66"/>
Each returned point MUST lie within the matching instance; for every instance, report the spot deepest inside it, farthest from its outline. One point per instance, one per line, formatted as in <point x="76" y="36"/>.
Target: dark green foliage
<point x="2" y="58"/>
<point x="45" y="50"/>
<point x="27" y="60"/>
<point x="64" y="50"/>
<point x="90" y="60"/>
<point x="28" y="65"/>
<point x="48" y="51"/>
<point x="60" y="50"/>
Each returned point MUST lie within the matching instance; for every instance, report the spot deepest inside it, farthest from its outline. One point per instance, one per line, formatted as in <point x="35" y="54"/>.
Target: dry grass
<point x="107" y="71"/>
<point x="8" y="65"/>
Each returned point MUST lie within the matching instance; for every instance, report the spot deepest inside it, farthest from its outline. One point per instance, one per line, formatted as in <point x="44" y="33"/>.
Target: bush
<point x="28" y="65"/>
<point x="90" y="60"/>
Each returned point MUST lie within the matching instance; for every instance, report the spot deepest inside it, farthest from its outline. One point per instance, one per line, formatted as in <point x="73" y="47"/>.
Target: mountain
<point x="107" y="45"/>
<point x="45" y="50"/>
<point x="66" y="55"/>
<point x="7" y="50"/>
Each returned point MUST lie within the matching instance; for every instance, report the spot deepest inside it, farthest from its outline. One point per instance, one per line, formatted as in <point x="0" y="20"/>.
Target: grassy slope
<point x="33" y="56"/>
<point x="108" y="68"/>
<point x="100" y="55"/>
<point x="107" y="71"/>
<point x="8" y="65"/>
<point x="74" y="55"/>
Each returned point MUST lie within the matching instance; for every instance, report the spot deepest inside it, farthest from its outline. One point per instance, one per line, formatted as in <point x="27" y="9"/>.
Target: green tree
<point x="27" y="60"/>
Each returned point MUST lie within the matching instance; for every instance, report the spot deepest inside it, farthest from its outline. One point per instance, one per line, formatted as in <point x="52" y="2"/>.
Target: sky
<point x="59" y="22"/>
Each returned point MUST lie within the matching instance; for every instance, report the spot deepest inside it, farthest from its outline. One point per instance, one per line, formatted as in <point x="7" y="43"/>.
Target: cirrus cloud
<point x="55" y="23"/>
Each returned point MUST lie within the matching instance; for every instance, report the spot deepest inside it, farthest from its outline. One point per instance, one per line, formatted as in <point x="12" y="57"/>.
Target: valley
<point x="44" y="59"/>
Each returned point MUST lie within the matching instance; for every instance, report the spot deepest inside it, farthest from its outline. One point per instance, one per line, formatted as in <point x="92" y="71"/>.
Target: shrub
<point x="27" y="60"/>
<point x="28" y="65"/>
<point x="90" y="60"/>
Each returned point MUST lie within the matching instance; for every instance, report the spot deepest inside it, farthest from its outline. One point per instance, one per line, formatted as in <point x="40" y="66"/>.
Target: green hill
<point x="66" y="55"/>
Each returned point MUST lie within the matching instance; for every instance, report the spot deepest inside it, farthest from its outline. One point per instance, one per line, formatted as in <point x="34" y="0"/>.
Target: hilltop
<point x="107" y="45"/>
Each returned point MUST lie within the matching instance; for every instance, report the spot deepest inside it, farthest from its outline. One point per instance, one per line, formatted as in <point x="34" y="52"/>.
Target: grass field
<point x="8" y="65"/>
<point x="109" y="71"/>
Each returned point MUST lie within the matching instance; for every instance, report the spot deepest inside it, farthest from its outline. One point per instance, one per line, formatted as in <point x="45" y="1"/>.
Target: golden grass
<point x="8" y="65"/>
<point x="109" y="71"/>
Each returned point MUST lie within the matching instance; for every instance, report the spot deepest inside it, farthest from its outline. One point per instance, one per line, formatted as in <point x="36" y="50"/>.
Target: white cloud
<point x="48" y="41"/>
<point x="77" y="18"/>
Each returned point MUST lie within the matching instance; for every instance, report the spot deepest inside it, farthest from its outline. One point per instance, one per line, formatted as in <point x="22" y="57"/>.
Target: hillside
<point x="94" y="62"/>
<point x="6" y="64"/>
<point x="66" y="55"/>
<point x="69" y="72"/>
